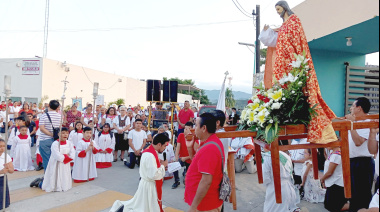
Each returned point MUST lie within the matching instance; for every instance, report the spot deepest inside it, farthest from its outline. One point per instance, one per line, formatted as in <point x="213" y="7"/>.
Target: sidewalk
<point x="121" y="183"/>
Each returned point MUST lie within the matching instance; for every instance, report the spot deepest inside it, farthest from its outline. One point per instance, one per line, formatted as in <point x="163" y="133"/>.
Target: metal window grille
<point x="362" y="82"/>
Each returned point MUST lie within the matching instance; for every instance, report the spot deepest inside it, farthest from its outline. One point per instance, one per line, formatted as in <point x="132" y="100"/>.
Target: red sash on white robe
<point x="159" y="183"/>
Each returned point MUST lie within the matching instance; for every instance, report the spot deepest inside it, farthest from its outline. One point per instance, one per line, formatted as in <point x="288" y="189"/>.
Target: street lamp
<point x="254" y="64"/>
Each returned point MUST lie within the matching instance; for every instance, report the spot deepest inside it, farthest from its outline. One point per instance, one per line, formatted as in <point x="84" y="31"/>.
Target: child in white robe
<point x="314" y="192"/>
<point x="106" y="143"/>
<point x="22" y="156"/>
<point x="290" y="198"/>
<point x="38" y="155"/>
<point x="86" y="151"/>
<point x="77" y="134"/>
<point x="61" y="154"/>
<point x="20" y="122"/>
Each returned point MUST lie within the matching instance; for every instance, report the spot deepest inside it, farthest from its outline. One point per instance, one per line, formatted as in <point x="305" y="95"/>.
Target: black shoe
<point x="35" y="182"/>
<point x="175" y="185"/>
<point x="39" y="168"/>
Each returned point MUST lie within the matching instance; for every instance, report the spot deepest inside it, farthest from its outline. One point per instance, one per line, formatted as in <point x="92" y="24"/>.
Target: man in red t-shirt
<point x="182" y="154"/>
<point x="184" y="116"/>
<point x="205" y="173"/>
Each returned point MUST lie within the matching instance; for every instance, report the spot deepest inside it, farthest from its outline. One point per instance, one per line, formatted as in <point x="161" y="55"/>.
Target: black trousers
<point x="335" y="199"/>
<point x="362" y="175"/>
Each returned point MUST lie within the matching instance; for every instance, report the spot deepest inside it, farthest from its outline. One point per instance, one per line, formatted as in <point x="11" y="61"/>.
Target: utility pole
<point x="46" y="28"/>
<point x="258" y="57"/>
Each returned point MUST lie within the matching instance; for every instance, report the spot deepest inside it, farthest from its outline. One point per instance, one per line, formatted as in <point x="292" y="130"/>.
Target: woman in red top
<point x="72" y="115"/>
<point x="26" y="109"/>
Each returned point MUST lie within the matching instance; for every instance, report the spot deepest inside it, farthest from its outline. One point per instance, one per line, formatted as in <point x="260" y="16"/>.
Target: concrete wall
<point x="331" y="73"/>
<point x="22" y="85"/>
<point x="323" y="17"/>
<point x="80" y="84"/>
<point x="49" y="83"/>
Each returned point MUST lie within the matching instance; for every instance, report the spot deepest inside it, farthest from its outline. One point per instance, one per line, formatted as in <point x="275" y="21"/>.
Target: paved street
<point x="119" y="182"/>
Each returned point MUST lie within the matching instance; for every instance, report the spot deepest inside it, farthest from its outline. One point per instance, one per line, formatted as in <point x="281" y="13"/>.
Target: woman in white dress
<point x="314" y="192"/>
<point x="88" y="117"/>
<point x="106" y="143"/>
<point x="290" y="199"/>
<point x="109" y="117"/>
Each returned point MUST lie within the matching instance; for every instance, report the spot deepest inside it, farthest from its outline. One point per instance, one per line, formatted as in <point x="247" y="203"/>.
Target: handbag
<point x="225" y="186"/>
<point x="55" y="130"/>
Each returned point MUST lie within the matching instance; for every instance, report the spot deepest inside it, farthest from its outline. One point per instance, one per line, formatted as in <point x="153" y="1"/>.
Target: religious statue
<point x="290" y="39"/>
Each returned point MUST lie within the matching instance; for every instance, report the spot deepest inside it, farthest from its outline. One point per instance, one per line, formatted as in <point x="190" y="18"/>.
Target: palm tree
<point x="230" y="99"/>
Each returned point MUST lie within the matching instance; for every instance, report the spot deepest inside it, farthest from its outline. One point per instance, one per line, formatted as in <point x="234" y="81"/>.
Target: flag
<point x="222" y="97"/>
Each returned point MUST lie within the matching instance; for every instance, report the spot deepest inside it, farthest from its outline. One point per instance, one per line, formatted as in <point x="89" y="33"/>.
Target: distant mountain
<point x="213" y="95"/>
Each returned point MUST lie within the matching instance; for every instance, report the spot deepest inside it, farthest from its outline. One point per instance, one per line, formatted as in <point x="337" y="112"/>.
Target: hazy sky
<point x="144" y="39"/>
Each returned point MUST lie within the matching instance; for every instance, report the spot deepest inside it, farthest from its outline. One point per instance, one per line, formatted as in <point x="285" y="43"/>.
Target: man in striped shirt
<point x="46" y="127"/>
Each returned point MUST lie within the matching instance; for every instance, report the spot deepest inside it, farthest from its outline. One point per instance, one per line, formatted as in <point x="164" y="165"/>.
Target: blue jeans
<point x="33" y="140"/>
<point x="176" y="173"/>
<point x="133" y="160"/>
<point x="180" y="131"/>
<point x="45" y="151"/>
<point x="362" y="175"/>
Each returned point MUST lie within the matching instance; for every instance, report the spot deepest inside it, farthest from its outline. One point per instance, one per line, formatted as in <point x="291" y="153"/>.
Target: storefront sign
<point x="30" y="67"/>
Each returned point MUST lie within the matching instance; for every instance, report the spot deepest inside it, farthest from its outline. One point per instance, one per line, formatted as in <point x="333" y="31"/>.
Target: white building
<point x="35" y="78"/>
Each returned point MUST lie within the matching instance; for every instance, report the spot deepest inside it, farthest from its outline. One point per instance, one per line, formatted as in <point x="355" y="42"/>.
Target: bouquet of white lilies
<point x="286" y="103"/>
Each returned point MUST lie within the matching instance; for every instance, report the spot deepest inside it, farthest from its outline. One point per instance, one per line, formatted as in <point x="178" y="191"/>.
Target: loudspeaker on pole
<point x="170" y="91"/>
<point x="153" y="91"/>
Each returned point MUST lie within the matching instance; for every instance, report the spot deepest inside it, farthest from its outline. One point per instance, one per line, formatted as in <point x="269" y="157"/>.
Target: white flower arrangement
<point x="271" y="108"/>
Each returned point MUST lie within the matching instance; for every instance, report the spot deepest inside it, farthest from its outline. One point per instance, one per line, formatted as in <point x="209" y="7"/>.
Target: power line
<point x="250" y="50"/>
<point x="127" y="28"/>
<point x="242" y="7"/>
<point x="93" y="83"/>
<point x="242" y="10"/>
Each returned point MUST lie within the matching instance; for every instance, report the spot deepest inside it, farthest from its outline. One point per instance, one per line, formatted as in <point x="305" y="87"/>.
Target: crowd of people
<point x="91" y="141"/>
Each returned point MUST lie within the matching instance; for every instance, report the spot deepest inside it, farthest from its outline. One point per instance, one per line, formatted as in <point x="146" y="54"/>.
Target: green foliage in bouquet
<point x="286" y="103"/>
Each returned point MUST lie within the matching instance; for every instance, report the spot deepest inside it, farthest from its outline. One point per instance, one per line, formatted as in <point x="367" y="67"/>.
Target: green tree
<point x="117" y="102"/>
<point x="197" y="94"/>
<point x="263" y="56"/>
<point x="230" y="99"/>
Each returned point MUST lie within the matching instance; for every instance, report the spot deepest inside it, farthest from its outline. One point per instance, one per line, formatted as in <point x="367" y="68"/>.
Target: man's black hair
<point x="138" y="120"/>
<point x="87" y="129"/>
<point x="234" y="108"/>
<point x="64" y="129"/>
<point x="220" y="116"/>
<point x="161" y="139"/>
<point x="22" y="127"/>
<point x="364" y="103"/>
<point x="189" y="124"/>
<point x="54" y="104"/>
<point x="208" y="120"/>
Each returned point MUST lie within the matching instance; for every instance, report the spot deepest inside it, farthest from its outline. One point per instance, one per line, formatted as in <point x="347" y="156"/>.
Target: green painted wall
<point x="331" y="73"/>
